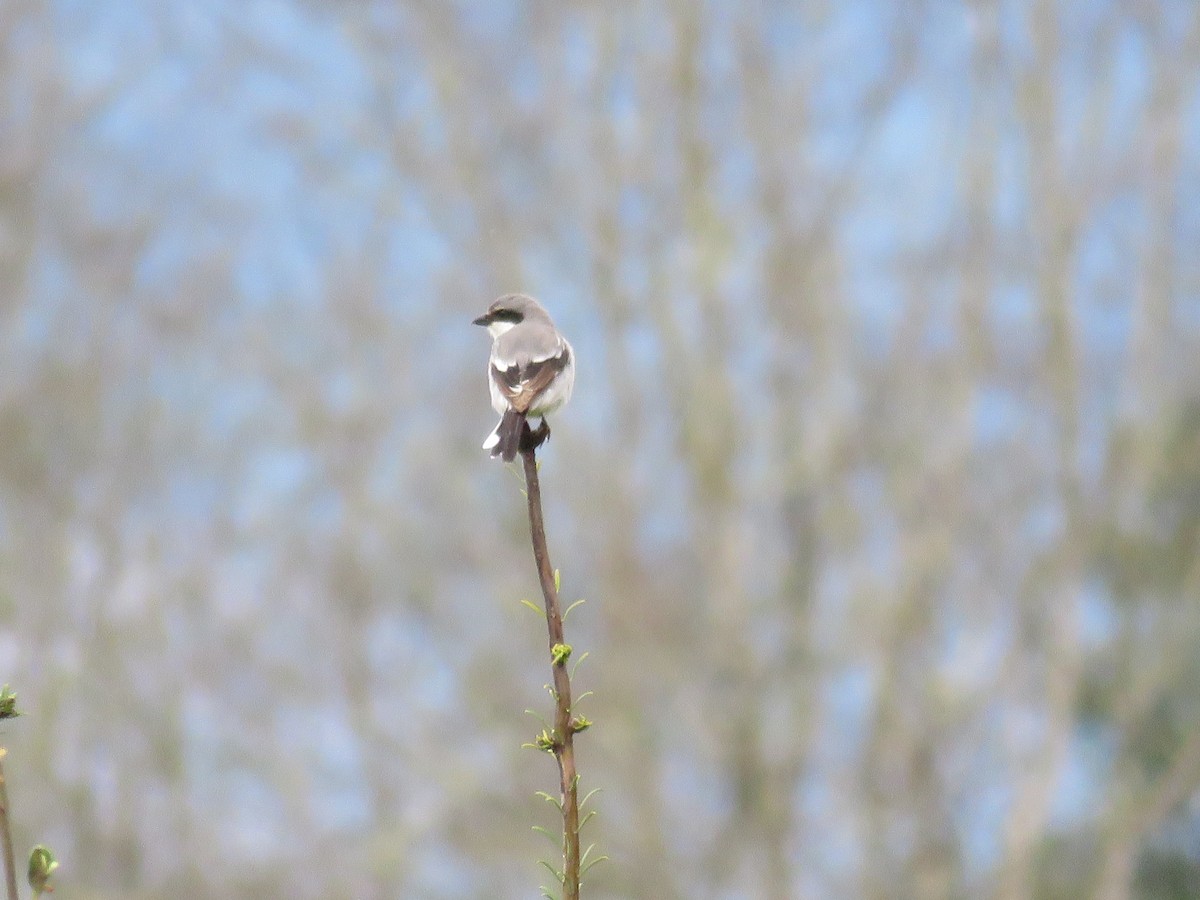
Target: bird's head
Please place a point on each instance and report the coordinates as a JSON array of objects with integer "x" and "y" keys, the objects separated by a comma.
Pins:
[{"x": 507, "y": 311}]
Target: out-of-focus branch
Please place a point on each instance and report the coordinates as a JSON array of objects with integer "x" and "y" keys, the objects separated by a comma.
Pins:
[
  {"x": 10, "y": 866},
  {"x": 41, "y": 861},
  {"x": 1133, "y": 823}
]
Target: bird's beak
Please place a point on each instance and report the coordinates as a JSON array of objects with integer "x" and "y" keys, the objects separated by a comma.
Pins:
[{"x": 482, "y": 320}]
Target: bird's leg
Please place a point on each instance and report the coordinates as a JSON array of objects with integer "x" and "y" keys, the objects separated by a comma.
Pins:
[{"x": 532, "y": 438}]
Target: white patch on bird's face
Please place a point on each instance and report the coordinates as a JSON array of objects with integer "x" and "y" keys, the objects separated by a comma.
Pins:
[{"x": 499, "y": 327}]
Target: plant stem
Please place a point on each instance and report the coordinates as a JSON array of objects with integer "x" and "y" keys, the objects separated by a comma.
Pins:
[
  {"x": 564, "y": 738},
  {"x": 10, "y": 867}
]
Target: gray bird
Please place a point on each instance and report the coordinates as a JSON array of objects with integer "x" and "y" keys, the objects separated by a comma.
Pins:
[{"x": 531, "y": 370}]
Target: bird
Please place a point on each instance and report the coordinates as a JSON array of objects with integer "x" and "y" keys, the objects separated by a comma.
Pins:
[{"x": 531, "y": 370}]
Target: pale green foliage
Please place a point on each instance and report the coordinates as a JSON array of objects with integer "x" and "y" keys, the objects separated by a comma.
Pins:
[
  {"x": 41, "y": 866},
  {"x": 560, "y": 653},
  {"x": 8, "y": 704}
]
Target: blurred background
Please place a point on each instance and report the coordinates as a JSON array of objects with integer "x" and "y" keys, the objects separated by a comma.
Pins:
[{"x": 881, "y": 479}]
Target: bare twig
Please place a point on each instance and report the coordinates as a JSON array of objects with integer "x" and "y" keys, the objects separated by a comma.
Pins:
[
  {"x": 10, "y": 866},
  {"x": 562, "y": 740}
]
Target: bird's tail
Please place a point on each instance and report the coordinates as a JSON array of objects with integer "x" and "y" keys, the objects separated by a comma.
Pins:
[{"x": 505, "y": 439}]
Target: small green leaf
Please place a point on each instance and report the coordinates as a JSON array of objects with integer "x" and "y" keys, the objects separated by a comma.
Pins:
[
  {"x": 545, "y": 741},
  {"x": 531, "y": 605},
  {"x": 41, "y": 866},
  {"x": 560, "y": 653},
  {"x": 538, "y": 716},
  {"x": 553, "y": 871},
  {"x": 580, "y": 723},
  {"x": 553, "y": 801},
  {"x": 557, "y": 580},
  {"x": 581, "y": 698},
  {"x": 575, "y": 667},
  {"x": 8, "y": 704},
  {"x": 588, "y": 796},
  {"x": 599, "y": 859},
  {"x": 567, "y": 611},
  {"x": 553, "y": 839},
  {"x": 584, "y": 821}
]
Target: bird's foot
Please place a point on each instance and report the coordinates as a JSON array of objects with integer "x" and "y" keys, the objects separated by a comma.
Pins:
[{"x": 532, "y": 438}]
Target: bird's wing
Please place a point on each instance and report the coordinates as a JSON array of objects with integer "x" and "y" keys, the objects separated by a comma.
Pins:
[{"x": 521, "y": 383}]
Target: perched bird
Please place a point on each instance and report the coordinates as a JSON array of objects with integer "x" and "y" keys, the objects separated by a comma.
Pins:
[{"x": 531, "y": 369}]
